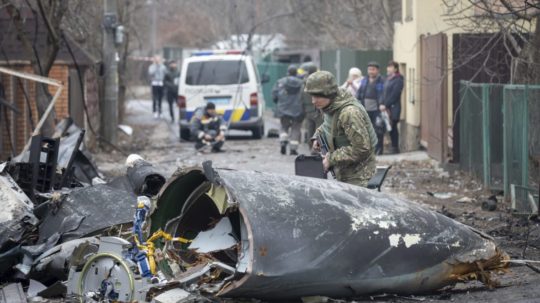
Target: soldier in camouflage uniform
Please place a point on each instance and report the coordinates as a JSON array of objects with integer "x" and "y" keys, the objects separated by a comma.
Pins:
[
  {"x": 348, "y": 131},
  {"x": 313, "y": 117}
]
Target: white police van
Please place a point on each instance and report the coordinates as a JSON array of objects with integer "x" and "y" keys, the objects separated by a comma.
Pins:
[{"x": 230, "y": 80}]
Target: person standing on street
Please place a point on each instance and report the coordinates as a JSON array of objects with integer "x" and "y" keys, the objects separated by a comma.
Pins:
[
  {"x": 353, "y": 81},
  {"x": 157, "y": 72},
  {"x": 208, "y": 128},
  {"x": 346, "y": 129},
  {"x": 369, "y": 95},
  {"x": 313, "y": 117},
  {"x": 391, "y": 101},
  {"x": 287, "y": 94},
  {"x": 171, "y": 85}
]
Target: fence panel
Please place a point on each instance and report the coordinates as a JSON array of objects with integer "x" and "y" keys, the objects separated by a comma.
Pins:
[
  {"x": 493, "y": 135},
  {"x": 275, "y": 71},
  {"x": 515, "y": 136},
  {"x": 471, "y": 128}
]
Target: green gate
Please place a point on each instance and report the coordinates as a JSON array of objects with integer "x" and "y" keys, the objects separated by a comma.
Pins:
[{"x": 275, "y": 71}]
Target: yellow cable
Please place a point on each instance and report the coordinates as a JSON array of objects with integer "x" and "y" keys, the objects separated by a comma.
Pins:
[{"x": 150, "y": 248}]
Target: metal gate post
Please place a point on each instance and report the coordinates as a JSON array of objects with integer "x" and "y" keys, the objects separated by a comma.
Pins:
[
  {"x": 506, "y": 186},
  {"x": 525, "y": 141},
  {"x": 486, "y": 134}
]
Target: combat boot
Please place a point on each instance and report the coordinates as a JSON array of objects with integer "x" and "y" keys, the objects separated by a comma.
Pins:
[{"x": 283, "y": 148}]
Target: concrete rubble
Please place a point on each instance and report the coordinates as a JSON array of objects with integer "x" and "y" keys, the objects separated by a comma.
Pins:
[{"x": 207, "y": 234}]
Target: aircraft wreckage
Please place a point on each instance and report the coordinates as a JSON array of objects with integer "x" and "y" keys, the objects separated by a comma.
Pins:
[{"x": 258, "y": 235}]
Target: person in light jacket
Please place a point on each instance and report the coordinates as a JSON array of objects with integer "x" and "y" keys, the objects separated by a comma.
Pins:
[{"x": 156, "y": 73}]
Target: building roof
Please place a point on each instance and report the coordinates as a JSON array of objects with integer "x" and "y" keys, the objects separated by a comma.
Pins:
[{"x": 12, "y": 49}]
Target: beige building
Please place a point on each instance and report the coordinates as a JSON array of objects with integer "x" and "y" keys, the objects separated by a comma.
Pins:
[{"x": 423, "y": 45}]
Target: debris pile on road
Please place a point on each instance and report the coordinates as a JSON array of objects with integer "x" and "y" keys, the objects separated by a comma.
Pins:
[
  {"x": 55, "y": 203},
  {"x": 207, "y": 234}
]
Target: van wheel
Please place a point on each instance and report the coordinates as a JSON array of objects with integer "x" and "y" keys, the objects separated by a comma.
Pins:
[
  {"x": 258, "y": 133},
  {"x": 185, "y": 134}
]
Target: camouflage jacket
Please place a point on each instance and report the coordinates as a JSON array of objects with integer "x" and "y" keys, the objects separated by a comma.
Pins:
[{"x": 351, "y": 139}]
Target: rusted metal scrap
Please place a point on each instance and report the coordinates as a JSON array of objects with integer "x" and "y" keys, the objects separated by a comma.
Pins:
[{"x": 291, "y": 237}]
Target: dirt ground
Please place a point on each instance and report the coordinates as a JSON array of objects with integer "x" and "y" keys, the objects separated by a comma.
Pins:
[{"x": 413, "y": 176}]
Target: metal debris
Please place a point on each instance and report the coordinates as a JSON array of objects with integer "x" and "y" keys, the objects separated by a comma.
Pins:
[
  {"x": 237, "y": 234},
  {"x": 107, "y": 275},
  {"x": 53, "y": 265},
  {"x": 175, "y": 295},
  {"x": 16, "y": 214},
  {"x": 12, "y": 293},
  {"x": 299, "y": 237},
  {"x": 141, "y": 178},
  {"x": 34, "y": 288},
  {"x": 91, "y": 210}
]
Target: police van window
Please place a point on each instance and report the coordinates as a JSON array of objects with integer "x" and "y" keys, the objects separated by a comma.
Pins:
[{"x": 216, "y": 73}]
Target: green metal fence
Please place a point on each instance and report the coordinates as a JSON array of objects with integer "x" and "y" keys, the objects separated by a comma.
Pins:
[
  {"x": 494, "y": 132},
  {"x": 275, "y": 71}
]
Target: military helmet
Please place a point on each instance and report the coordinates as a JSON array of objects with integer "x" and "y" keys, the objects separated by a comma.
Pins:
[
  {"x": 292, "y": 70},
  {"x": 308, "y": 67},
  {"x": 321, "y": 83}
]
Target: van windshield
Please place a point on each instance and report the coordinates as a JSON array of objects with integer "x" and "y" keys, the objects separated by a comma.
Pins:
[{"x": 216, "y": 73}]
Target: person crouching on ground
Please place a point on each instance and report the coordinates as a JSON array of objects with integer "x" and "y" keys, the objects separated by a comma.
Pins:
[
  {"x": 346, "y": 128},
  {"x": 208, "y": 128}
]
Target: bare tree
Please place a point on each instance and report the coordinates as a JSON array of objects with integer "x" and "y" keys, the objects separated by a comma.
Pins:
[
  {"x": 50, "y": 14},
  {"x": 514, "y": 21},
  {"x": 362, "y": 24}
]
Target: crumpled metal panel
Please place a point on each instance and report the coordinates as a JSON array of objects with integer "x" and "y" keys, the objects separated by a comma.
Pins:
[
  {"x": 87, "y": 210},
  {"x": 16, "y": 214},
  {"x": 307, "y": 236}
]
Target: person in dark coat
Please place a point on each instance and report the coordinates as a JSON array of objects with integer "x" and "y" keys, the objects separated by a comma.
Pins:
[
  {"x": 369, "y": 94},
  {"x": 391, "y": 100},
  {"x": 171, "y": 85},
  {"x": 287, "y": 94},
  {"x": 208, "y": 128}
]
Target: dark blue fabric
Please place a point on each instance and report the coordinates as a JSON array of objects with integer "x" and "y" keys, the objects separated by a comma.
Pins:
[
  {"x": 361, "y": 93},
  {"x": 391, "y": 97}
]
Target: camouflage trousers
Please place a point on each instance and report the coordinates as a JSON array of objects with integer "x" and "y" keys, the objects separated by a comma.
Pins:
[{"x": 359, "y": 174}]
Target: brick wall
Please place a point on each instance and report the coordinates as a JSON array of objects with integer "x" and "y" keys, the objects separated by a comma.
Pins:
[
  {"x": 17, "y": 128},
  {"x": 61, "y": 73}
]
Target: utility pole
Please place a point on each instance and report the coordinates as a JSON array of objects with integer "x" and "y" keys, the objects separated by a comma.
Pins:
[
  {"x": 153, "y": 27},
  {"x": 109, "y": 102}
]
